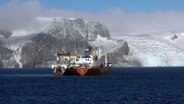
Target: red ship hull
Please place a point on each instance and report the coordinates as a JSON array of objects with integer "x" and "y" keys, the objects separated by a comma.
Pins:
[
  {"x": 93, "y": 71},
  {"x": 68, "y": 72},
  {"x": 83, "y": 71}
]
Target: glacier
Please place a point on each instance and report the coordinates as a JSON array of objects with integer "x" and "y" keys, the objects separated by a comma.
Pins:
[{"x": 157, "y": 50}]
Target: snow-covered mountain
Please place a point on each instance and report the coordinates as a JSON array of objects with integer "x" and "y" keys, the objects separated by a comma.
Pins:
[
  {"x": 163, "y": 49},
  {"x": 59, "y": 34},
  {"x": 73, "y": 28},
  {"x": 75, "y": 34}
]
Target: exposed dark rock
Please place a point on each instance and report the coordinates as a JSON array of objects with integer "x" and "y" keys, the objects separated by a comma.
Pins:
[
  {"x": 43, "y": 48},
  {"x": 174, "y": 37},
  {"x": 5, "y": 54},
  {"x": 1, "y": 64},
  {"x": 11, "y": 63},
  {"x": 121, "y": 57},
  {"x": 31, "y": 55},
  {"x": 5, "y": 33},
  {"x": 124, "y": 50},
  {"x": 94, "y": 29},
  {"x": 16, "y": 65}
]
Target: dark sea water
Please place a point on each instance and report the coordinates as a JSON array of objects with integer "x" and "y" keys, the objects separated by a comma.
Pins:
[{"x": 122, "y": 86}]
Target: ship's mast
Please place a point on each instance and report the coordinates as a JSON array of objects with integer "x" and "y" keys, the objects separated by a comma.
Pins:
[
  {"x": 106, "y": 61},
  {"x": 69, "y": 59},
  {"x": 100, "y": 51}
]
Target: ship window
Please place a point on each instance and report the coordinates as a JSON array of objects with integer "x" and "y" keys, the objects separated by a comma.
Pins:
[
  {"x": 87, "y": 59},
  {"x": 66, "y": 59},
  {"x": 86, "y": 54}
]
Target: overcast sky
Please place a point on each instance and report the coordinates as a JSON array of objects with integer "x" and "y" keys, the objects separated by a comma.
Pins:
[{"x": 119, "y": 16}]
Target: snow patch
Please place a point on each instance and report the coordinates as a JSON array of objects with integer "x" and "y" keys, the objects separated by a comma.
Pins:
[
  {"x": 52, "y": 19},
  {"x": 14, "y": 42},
  {"x": 108, "y": 44},
  {"x": 17, "y": 56},
  {"x": 21, "y": 32}
]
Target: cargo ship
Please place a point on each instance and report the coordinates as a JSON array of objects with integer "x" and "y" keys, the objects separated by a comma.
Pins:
[
  {"x": 86, "y": 64},
  {"x": 90, "y": 64}
]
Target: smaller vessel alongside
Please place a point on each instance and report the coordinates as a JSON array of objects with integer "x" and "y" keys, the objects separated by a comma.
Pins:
[
  {"x": 65, "y": 65},
  {"x": 86, "y": 64}
]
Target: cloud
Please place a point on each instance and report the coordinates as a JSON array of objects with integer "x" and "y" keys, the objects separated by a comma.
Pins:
[
  {"x": 137, "y": 23},
  {"x": 16, "y": 15},
  {"x": 21, "y": 15}
]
